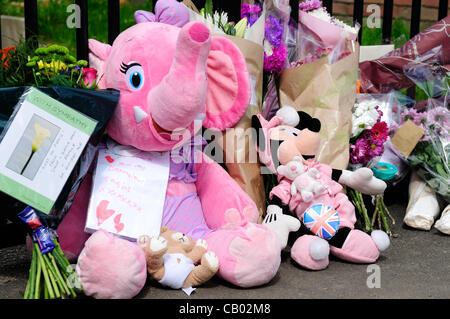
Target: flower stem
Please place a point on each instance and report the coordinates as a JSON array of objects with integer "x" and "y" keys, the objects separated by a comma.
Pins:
[
  {"x": 38, "y": 273},
  {"x": 51, "y": 275},
  {"x": 46, "y": 276}
]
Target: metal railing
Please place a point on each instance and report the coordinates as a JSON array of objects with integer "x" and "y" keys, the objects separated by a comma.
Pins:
[{"x": 233, "y": 9}]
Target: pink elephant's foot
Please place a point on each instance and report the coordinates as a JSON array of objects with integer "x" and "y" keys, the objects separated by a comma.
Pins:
[
  {"x": 311, "y": 252},
  {"x": 249, "y": 255},
  {"x": 111, "y": 268}
]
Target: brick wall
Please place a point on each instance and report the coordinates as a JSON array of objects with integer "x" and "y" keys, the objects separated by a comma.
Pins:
[{"x": 402, "y": 8}]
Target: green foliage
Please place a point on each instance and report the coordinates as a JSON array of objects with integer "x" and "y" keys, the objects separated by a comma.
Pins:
[
  {"x": 209, "y": 7},
  {"x": 428, "y": 159},
  {"x": 15, "y": 72},
  {"x": 52, "y": 17},
  {"x": 374, "y": 36}
]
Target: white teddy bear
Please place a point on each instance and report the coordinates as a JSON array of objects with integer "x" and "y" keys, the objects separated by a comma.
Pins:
[{"x": 306, "y": 183}]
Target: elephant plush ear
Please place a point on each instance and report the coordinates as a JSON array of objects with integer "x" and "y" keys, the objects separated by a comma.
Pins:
[
  {"x": 228, "y": 85},
  {"x": 98, "y": 54}
]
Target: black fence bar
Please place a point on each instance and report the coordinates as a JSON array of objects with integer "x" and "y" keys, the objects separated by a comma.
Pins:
[
  {"x": 443, "y": 9},
  {"x": 294, "y": 9},
  {"x": 415, "y": 18},
  {"x": 31, "y": 20},
  {"x": 388, "y": 8},
  {"x": 328, "y": 4},
  {"x": 414, "y": 29},
  {"x": 113, "y": 20},
  {"x": 82, "y": 32},
  {"x": 358, "y": 8},
  {"x": 1, "y": 47}
]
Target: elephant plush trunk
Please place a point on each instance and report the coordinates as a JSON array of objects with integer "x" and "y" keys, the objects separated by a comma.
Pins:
[{"x": 181, "y": 95}]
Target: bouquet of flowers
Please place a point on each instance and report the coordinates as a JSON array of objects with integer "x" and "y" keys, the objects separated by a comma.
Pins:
[
  {"x": 431, "y": 156},
  {"x": 51, "y": 276},
  {"x": 369, "y": 134},
  {"x": 317, "y": 27},
  {"x": 53, "y": 65},
  {"x": 46, "y": 66},
  {"x": 218, "y": 20},
  {"x": 279, "y": 38}
]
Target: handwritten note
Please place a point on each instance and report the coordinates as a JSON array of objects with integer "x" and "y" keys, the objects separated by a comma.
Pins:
[
  {"x": 128, "y": 193},
  {"x": 40, "y": 148}
]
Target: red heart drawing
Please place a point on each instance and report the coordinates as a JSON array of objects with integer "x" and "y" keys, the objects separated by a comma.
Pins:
[
  {"x": 117, "y": 224},
  {"x": 103, "y": 213},
  {"x": 109, "y": 159}
]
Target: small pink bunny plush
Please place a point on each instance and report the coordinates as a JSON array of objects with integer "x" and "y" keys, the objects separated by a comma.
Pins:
[{"x": 306, "y": 182}]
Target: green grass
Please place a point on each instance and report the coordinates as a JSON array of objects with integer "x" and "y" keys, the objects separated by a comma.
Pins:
[{"x": 52, "y": 16}]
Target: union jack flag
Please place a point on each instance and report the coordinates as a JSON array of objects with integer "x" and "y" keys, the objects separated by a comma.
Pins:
[{"x": 322, "y": 220}]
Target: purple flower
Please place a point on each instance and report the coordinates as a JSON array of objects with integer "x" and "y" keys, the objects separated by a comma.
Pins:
[
  {"x": 438, "y": 119},
  {"x": 309, "y": 5},
  {"x": 439, "y": 115},
  {"x": 275, "y": 62},
  {"x": 273, "y": 30},
  {"x": 251, "y": 12},
  {"x": 380, "y": 112},
  {"x": 376, "y": 148}
]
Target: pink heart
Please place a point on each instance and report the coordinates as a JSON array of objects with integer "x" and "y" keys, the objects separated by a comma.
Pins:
[
  {"x": 103, "y": 213},
  {"x": 117, "y": 224},
  {"x": 109, "y": 159}
]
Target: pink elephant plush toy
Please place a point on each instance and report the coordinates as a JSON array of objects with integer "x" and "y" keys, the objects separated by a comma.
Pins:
[
  {"x": 171, "y": 76},
  {"x": 287, "y": 145}
]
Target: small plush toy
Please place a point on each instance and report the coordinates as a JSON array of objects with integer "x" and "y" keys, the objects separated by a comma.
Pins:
[
  {"x": 329, "y": 216},
  {"x": 172, "y": 260},
  {"x": 304, "y": 182}
]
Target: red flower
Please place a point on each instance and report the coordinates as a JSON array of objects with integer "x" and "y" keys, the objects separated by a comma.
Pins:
[
  {"x": 4, "y": 55},
  {"x": 380, "y": 131},
  {"x": 89, "y": 76}
]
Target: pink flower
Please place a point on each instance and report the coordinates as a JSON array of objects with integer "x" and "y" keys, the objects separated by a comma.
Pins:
[
  {"x": 309, "y": 5},
  {"x": 275, "y": 62},
  {"x": 359, "y": 153},
  {"x": 89, "y": 76},
  {"x": 376, "y": 148}
]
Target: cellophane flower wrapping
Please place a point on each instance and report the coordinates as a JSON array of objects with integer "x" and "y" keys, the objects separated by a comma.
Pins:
[
  {"x": 320, "y": 34},
  {"x": 279, "y": 49},
  {"x": 431, "y": 156}
]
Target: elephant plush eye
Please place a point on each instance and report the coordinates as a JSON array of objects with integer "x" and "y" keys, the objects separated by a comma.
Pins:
[{"x": 134, "y": 75}]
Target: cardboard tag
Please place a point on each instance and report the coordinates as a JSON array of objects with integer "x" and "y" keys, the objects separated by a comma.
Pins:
[{"x": 407, "y": 137}]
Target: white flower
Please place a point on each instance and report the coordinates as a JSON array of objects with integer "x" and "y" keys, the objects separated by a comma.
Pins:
[
  {"x": 218, "y": 19},
  {"x": 364, "y": 116}
]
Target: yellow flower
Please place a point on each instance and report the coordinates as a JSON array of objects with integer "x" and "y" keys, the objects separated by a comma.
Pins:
[
  {"x": 53, "y": 65},
  {"x": 41, "y": 134}
]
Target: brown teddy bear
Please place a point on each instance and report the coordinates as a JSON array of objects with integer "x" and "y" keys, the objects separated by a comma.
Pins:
[{"x": 172, "y": 259}]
